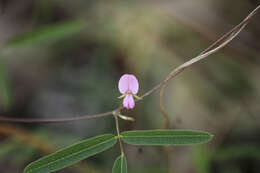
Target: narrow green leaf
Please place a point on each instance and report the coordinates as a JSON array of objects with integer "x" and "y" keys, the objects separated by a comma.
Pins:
[
  {"x": 165, "y": 137},
  {"x": 72, "y": 154},
  {"x": 45, "y": 34},
  {"x": 120, "y": 165}
]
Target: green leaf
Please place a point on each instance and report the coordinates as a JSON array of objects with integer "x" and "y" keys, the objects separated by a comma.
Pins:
[
  {"x": 45, "y": 34},
  {"x": 5, "y": 89},
  {"x": 165, "y": 137},
  {"x": 120, "y": 165},
  {"x": 72, "y": 154}
]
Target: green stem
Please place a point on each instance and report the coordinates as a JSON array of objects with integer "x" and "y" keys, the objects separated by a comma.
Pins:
[{"x": 118, "y": 132}]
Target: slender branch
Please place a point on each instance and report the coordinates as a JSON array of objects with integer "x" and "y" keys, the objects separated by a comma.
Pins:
[
  {"x": 217, "y": 45},
  {"x": 244, "y": 22}
]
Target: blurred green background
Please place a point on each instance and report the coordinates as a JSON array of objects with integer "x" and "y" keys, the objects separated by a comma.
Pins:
[{"x": 63, "y": 58}]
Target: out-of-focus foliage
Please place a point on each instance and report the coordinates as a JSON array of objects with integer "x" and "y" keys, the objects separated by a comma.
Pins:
[
  {"x": 45, "y": 35},
  {"x": 64, "y": 58}
]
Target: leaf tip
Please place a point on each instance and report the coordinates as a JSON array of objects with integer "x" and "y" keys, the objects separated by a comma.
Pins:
[{"x": 211, "y": 136}]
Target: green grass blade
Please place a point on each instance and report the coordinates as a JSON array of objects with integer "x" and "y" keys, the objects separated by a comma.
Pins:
[
  {"x": 45, "y": 34},
  {"x": 72, "y": 154},
  {"x": 165, "y": 137},
  {"x": 120, "y": 165}
]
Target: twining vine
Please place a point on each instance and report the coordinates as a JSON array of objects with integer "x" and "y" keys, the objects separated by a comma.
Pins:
[{"x": 128, "y": 86}]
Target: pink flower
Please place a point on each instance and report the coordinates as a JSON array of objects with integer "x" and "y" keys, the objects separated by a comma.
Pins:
[{"x": 128, "y": 86}]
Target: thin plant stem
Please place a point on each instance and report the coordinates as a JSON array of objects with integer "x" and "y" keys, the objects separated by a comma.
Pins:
[
  {"x": 53, "y": 120},
  {"x": 163, "y": 111},
  {"x": 243, "y": 24},
  {"x": 167, "y": 150},
  {"x": 118, "y": 131}
]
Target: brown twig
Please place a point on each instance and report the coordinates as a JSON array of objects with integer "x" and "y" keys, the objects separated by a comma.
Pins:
[
  {"x": 244, "y": 22},
  {"x": 217, "y": 45},
  {"x": 163, "y": 111}
]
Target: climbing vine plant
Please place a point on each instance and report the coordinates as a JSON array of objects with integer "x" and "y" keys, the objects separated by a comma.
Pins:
[{"x": 128, "y": 86}]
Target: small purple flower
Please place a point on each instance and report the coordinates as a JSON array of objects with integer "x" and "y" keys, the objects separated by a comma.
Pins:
[{"x": 128, "y": 86}]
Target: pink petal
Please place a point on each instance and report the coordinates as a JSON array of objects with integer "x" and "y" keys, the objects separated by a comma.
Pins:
[
  {"x": 133, "y": 85},
  {"x": 123, "y": 84},
  {"x": 128, "y": 82},
  {"x": 129, "y": 102}
]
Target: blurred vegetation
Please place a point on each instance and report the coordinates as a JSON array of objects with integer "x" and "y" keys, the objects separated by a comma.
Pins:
[{"x": 64, "y": 59}]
